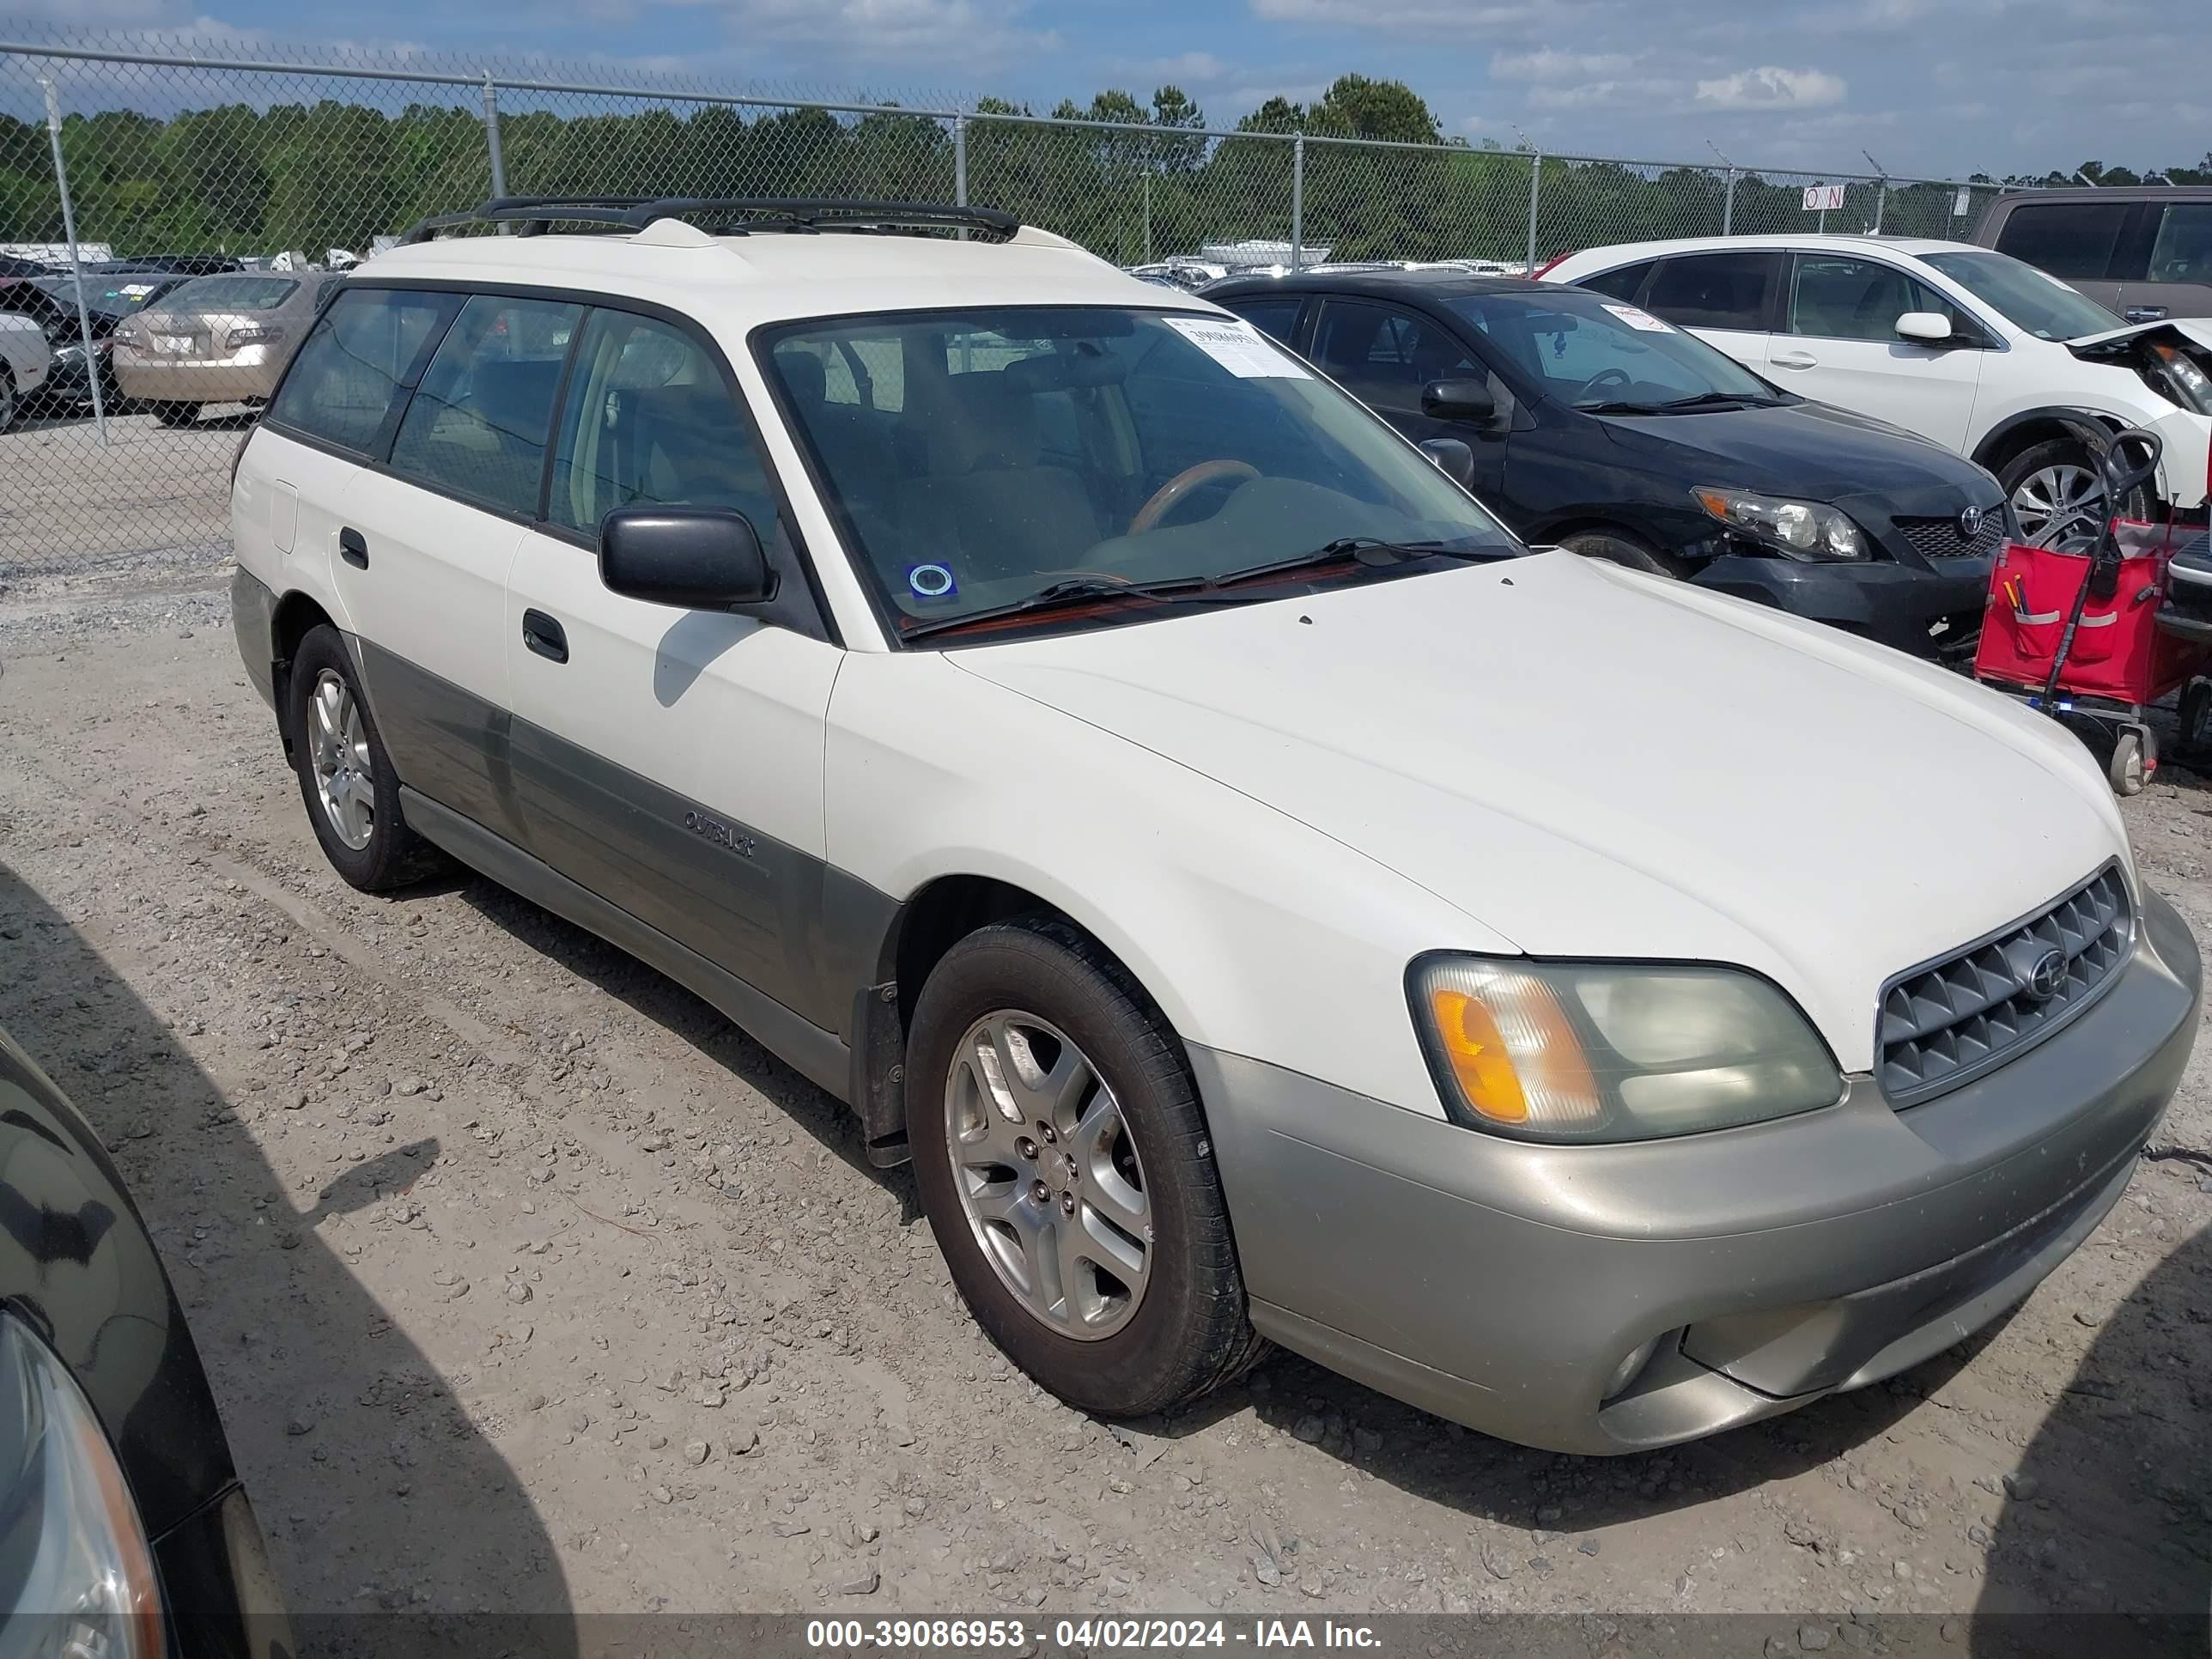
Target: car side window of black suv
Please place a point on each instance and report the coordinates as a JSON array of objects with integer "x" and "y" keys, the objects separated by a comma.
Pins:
[{"x": 1383, "y": 355}]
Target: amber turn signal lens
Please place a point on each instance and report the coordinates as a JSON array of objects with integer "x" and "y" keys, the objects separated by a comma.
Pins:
[
  {"x": 1476, "y": 1051},
  {"x": 1513, "y": 1051}
]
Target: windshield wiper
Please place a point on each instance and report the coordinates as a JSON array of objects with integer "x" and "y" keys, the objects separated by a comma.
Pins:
[
  {"x": 1683, "y": 405},
  {"x": 1368, "y": 549},
  {"x": 1063, "y": 595}
]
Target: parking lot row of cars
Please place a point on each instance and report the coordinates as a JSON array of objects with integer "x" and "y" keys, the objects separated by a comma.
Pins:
[{"x": 168, "y": 334}]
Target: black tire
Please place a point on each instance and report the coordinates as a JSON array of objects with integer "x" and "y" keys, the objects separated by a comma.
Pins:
[
  {"x": 1188, "y": 1333},
  {"x": 2062, "y": 453},
  {"x": 176, "y": 414},
  {"x": 395, "y": 855},
  {"x": 1619, "y": 547},
  {"x": 11, "y": 406}
]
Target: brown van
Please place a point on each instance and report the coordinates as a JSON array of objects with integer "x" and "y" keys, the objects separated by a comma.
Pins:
[{"x": 2143, "y": 250}]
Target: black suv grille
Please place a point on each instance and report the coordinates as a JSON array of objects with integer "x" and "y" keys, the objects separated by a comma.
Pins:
[
  {"x": 1951, "y": 1020},
  {"x": 1939, "y": 539}
]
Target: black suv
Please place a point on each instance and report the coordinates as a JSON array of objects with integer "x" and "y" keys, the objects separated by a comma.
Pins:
[{"x": 1590, "y": 423}]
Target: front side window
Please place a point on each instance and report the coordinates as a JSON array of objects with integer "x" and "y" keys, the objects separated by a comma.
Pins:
[
  {"x": 2030, "y": 301},
  {"x": 1715, "y": 291},
  {"x": 2067, "y": 239},
  {"x": 1383, "y": 355},
  {"x": 477, "y": 426},
  {"x": 1033, "y": 447},
  {"x": 1273, "y": 314},
  {"x": 1595, "y": 354},
  {"x": 649, "y": 419},
  {"x": 358, "y": 362},
  {"x": 2183, "y": 252},
  {"x": 1836, "y": 297}
]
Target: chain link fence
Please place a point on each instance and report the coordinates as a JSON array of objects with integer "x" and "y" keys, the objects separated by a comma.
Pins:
[{"x": 151, "y": 163}]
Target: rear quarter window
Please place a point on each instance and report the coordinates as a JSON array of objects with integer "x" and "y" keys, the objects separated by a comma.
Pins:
[
  {"x": 1620, "y": 284},
  {"x": 358, "y": 363}
]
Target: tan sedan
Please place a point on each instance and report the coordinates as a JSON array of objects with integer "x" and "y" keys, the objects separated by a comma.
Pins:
[{"x": 216, "y": 340}]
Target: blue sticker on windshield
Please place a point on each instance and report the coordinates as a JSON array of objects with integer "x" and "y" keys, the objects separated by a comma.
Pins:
[{"x": 931, "y": 581}]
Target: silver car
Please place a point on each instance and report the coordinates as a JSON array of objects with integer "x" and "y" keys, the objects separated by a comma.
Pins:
[{"x": 216, "y": 340}]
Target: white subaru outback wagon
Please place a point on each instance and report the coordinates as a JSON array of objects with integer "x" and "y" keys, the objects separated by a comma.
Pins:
[{"x": 1263, "y": 900}]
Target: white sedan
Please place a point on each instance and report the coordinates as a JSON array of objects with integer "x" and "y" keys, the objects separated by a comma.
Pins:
[{"x": 25, "y": 360}]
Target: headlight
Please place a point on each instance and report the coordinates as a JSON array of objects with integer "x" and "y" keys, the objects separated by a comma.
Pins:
[
  {"x": 2179, "y": 378},
  {"x": 1803, "y": 530},
  {"x": 1606, "y": 1051},
  {"x": 254, "y": 334},
  {"x": 76, "y": 1572}
]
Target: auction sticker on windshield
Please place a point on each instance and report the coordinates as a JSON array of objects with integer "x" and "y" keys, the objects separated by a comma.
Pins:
[
  {"x": 1237, "y": 347},
  {"x": 1642, "y": 320}
]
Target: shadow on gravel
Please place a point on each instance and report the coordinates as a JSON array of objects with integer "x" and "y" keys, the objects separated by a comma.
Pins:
[
  {"x": 381, "y": 1501},
  {"x": 687, "y": 1017},
  {"x": 2110, "y": 1511}
]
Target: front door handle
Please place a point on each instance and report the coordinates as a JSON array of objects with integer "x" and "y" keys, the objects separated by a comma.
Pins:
[
  {"x": 2145, "y": 313},
  {"x": 1793, "y": 360},
  {"x": 545, "y": 637},
  {"x": 353, "y": 548}
]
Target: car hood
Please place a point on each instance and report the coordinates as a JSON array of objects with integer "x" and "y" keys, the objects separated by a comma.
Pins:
[
  {"x": 1804, "y": 449},
  {"x": 2197, "y": 329},
  {"x": 1589, "y": 762}
]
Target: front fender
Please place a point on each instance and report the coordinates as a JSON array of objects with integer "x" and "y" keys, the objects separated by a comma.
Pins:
[{"x": 1254, "y": 934}]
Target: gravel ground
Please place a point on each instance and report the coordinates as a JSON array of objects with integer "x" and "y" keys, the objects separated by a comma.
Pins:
[{"x": 527, "y": 1283}]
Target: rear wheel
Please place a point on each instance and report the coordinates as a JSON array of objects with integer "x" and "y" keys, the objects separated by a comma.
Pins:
[
  {"x": 176, "y": 414},
  {"x": 1067, "y": 1170},
  {"x": 2057, "y": 480},
  {"x": 1619, "y": 547},
  {"x": 351, "y": 791},
  {"x": 10, "y": 405}
]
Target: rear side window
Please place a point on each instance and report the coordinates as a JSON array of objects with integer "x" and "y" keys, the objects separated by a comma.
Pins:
[
  {"x": 478, "y": 425},
  {"x": 2067, "y": 239},
  {"x": 1715, "y": 291},
  {"x": 1275, "y": 314},
  {"x": 357, "y": 363},
  {"x": 649, "y": 419},
  {"x": 1619, "y": 284},
  {"x": 2183, "y": 252}
]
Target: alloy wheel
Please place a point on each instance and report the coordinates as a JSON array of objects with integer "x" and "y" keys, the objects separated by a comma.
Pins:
[
  {"x": 1048, "y": 1174},
  {"x": 2055, "y": 492},
  {"x": 338, "y": 747}
]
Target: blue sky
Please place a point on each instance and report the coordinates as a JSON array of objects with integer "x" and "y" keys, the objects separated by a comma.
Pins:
[{"x": 1940, "y": 87}]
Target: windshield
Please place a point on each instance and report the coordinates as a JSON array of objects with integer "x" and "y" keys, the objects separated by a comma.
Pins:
[
  {"x": 979, "y": 459},
  {"x": 232, "y": 294},
  {"x": 1593, "y": 353},
  {"x": 2028, "y": 299}
]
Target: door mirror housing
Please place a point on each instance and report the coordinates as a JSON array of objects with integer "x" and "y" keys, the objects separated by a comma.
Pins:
[
  {"x": 699, "y": 558},
  {"x": 1459, "y": 400},
  {"x": 1925, "y": 328},
  {"x": 1453, "y": 458}
]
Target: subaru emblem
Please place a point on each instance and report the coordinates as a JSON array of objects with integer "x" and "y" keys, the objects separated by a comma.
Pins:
[
  {"x": 1970, "y": 523},
  {"x": 2045, "y": 977}
]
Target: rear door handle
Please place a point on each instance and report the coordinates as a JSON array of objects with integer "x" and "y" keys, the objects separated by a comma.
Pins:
[
  {"x": 545, "y": 637},
  {"x": 353, "y": 548},
  {"x": 1793, "y": 360},
  {"x": 2145, "y": 313}
]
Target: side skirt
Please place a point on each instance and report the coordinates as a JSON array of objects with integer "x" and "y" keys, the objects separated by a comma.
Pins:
[{"x": 820, "y": 1056}]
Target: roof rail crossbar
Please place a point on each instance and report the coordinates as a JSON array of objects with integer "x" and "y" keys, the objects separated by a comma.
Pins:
[{"x": 534, "y": 214}]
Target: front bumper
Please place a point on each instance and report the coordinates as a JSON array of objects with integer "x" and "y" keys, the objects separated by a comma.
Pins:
[
  {"x": 223, "y": 1602},
  {"x": 1926, "y": 612},
  {"x": 1500, "y": 1283}
]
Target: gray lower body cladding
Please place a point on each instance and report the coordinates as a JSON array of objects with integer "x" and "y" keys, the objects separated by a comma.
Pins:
[{"x": 1502, "y": 1283}]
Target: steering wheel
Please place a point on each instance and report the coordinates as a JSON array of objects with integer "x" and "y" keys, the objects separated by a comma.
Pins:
[
  {"x": 1604, "y": 377},
  {"x": 1163, "y": 498}
]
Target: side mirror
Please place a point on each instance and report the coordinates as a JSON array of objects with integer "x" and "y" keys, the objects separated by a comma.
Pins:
[
  {"x": 1458, "y": 400},
  {"x": 1924, "y": 328},
  {"x": 701, "y": 558},
  {"x": 1453, "y": 458}
]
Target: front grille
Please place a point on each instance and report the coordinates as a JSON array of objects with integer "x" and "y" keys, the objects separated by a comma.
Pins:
[
  {"x": 1939, "y": 539},
  {"x": 1951, "y": 1020}
]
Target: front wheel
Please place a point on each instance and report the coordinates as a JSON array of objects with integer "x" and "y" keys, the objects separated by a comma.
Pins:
[
  {"x": 2055, "y": 485},
  {"x": 176, "y": 414},
  {"x": 1064, "y": 1162}
]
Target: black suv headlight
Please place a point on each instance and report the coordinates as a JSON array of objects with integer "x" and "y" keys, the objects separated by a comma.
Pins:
[{"x": 76, "y": 1572}]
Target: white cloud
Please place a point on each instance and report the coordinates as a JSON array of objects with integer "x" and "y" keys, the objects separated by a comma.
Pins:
[
  {"x": 1400, "y": 16},
  {"x": 1770, "y": 87},
  {"x": 974, "y": 33},
  {"x": 1546, "y": 64},
  {"x": 1198, "y": 69},
  {"x": 1600, "y": 94}
]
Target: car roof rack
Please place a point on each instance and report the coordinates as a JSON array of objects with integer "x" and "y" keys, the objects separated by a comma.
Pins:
[{"x": 534, "y": 215}]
